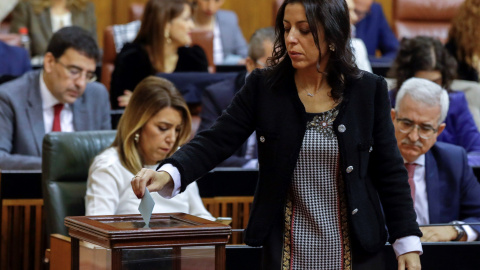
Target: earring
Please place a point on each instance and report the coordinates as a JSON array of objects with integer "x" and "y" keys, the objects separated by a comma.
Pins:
[
  {"x": 137, "y": 137},
  {"x": 167, "y": 37},
  {"x": 331, "y": 47}
]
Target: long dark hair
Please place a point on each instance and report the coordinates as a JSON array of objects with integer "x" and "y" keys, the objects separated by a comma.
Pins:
[
  {"x": 422, "y": 53},
  {"x": 333, "y": 17},
  {"x": 152, "y": 30}
]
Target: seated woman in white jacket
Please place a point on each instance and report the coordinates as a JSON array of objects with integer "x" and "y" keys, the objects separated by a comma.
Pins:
[{"x": 154, "y": 124}]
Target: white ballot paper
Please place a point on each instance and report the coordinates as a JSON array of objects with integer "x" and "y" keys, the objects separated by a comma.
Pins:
[{"x": 146, "y": 207}]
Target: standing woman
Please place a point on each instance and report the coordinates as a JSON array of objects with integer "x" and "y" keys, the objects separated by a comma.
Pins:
[
  {"x": 42, "y": 18},
  {"x": 158, "y": 47},
  {"x": 326, "y": 147}
]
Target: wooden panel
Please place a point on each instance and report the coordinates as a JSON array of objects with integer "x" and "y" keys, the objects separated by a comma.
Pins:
[
  {"x": 104, "y": 12},
  {"x": 252, "y": 14},
  {"x": 387, "y": 6},
  {"x": 21, "y": 225},
  {"x": 238, "y": 208}
]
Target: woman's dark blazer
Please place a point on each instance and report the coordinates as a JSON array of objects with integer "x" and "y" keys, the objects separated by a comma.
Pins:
[{"x": 370, "y": 162}]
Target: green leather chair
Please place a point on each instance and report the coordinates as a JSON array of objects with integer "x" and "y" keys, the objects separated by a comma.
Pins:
[{"x": 66, "y": 159}]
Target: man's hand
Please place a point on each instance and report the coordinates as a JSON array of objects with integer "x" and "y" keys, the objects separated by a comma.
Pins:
[
  {"x": 123, "y": 100},
  {"x": 410, "y": 261},
  {"x": 151, "y": 179},
  {"x": 439, "y": 234}
]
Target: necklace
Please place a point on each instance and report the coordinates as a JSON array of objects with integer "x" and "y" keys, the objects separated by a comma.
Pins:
[{"x": 310, "y": 94}]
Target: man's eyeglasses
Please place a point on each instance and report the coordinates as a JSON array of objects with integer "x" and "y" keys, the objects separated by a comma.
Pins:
[
  {"x": 425, "y": 131},
  {"x": 76, "y": 72}
]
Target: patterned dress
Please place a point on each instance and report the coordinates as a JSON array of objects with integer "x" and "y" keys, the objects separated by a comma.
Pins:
[{"x": 316, "y": 229}]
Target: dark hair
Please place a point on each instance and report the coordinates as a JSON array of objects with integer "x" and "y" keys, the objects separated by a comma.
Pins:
[
  {"x": 76, "y": 38},
  {"x": 422, "y": 53},
  {"x": 157, "y": 14},
  {"x": 333, "y": 16}
]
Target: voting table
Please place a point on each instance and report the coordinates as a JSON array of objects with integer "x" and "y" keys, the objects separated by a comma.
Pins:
[{"x": 125, "y": 234}]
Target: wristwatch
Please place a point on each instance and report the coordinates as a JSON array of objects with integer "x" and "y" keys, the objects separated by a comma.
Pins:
[{"x": 460, "y": 231}]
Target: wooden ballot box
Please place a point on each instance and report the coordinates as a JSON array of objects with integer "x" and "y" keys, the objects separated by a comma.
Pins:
[{"x": 127, "y": 233}]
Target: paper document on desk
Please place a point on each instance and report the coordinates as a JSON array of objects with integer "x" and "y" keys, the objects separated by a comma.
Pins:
[{"x": 146, "y": 207}]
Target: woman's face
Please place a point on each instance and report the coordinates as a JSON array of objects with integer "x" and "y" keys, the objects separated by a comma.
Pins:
[
  {"x": 299, "y": 40},
  {"x": 180, "y": 28},
  {"x": 159, "y": 134}
]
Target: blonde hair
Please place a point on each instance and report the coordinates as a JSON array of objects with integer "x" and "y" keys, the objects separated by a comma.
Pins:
[
  {"x": 464, "y": 31},
  {"x": 152, "y": 29},
  {"x": 41, "y": 5},
  {"x": 149, "y": 97}
]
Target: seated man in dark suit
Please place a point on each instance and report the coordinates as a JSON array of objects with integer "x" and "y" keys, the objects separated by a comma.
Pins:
[
  {"x": 443, "y": 186},
  {"x": 218, "y": 96},
  {"x": 61, "y": 97},
  {"x": 373, "y": 29},
  {"x": 14, "y": 61}
]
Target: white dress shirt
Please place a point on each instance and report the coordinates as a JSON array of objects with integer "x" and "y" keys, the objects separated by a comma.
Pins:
[
  {"x": 361, "y": 55},
  {"x": 48, "y": 101},
  {"x": 217, "y": 45},
  {"x": 421, "y": 198},
  {"x": 109, "y": 191},
  {"x": 60, "y": 21}
]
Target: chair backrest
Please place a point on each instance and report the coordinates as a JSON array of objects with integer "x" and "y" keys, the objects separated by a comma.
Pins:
[
  {"x": 66, "y": 159},
  {"x": 135, "y": 11},
  {"x": 109, "y": 56},
  {"x": 204, "y": 39},
  {"x": 427, "y": 17}
]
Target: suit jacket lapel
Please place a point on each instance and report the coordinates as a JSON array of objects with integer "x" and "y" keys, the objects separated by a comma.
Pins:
[
  {"x": 79, "y": 111},
  {"x": 433, "y": 190},
  {"x": 34, "y": 111}
]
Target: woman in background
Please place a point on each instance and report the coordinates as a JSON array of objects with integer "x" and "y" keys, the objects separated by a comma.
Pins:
[
  {"x": 154, "y": 125},
  {"x": 464, "y": 40},
  {"x": 425, "y": 57},
  {"x": 158, "y": 47},
  {"x": 42, "y": 18},
  {"x": 229, "y": 45}
]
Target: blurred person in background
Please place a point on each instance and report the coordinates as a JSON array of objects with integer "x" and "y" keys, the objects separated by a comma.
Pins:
[
  {"x": 359, "y": 49},
  {"x": 160, "y": 46},
  {"x": 464, "y": 40},
  {"x": 372, "y": 27},
  {"x": 229, "y": 45},
  {"x": 43, "y": 18},
  {"x": 14, "y": 61},
  {"x": 217, "y": 97}
]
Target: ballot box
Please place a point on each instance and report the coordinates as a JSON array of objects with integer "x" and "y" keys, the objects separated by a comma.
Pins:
[{"x": 170, "y": 241}]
